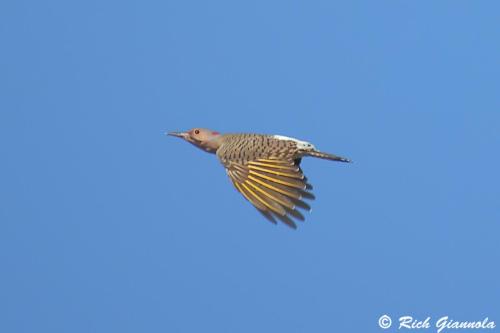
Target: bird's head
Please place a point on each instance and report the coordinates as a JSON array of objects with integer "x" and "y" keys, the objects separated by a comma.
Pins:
[{"x": 202, "y": 138}]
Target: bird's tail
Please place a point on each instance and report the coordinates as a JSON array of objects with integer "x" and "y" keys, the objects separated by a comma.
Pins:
[{"x": 326, "y": 156}]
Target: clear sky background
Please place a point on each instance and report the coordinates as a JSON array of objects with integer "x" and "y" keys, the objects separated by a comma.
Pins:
[{"x": 107, "y": 225}]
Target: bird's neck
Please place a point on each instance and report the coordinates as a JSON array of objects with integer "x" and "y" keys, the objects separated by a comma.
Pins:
[{"x": 212, "y": 145}]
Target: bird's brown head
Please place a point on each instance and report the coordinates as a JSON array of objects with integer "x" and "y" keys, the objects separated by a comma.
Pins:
[{"x": 202, "y": 138}]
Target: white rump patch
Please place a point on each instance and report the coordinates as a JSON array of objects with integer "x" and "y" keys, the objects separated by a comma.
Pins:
[{"x": 300, "y": 144}]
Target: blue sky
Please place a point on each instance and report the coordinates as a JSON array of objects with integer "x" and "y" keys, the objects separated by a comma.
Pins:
[{"x": 107, "y": 225}]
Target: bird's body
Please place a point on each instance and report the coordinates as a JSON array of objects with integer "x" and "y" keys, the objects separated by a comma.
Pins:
[
  {"x": 263, "y": 168},
  {"x": 247, "y": 147}
]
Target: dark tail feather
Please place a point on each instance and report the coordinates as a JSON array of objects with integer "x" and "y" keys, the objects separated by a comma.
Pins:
[{"x": 326, "y": 156}]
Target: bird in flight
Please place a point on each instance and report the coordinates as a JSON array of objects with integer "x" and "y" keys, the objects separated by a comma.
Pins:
[{"x": 265, "y": 169}]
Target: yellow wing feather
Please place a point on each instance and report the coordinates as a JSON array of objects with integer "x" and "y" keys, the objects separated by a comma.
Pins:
[{"x": 273, "y": 186}]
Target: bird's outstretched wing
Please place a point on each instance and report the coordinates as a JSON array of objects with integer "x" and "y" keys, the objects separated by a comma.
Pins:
[{"x": 276, "y": 187}]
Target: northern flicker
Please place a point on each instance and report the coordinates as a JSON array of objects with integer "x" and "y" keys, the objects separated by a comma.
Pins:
[{"x": 265, "y": 169}]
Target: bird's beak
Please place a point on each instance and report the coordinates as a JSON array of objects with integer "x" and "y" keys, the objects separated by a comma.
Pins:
[{"x": 182, "y": 135}]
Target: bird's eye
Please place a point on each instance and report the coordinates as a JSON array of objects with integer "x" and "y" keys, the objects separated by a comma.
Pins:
[{"x": 196, "y": 131}]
